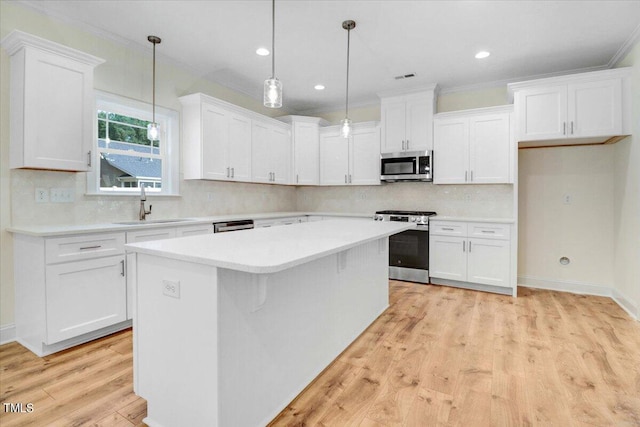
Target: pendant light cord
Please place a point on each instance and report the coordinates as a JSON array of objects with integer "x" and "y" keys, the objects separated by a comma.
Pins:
[
  {"x": 347, "y": 94},
  {"x": 273, "y": 39},
  {"x": 154, "y": 83}
]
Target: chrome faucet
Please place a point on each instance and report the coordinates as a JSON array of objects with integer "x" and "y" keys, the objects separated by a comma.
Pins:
[{"x": 143, "y": 198}]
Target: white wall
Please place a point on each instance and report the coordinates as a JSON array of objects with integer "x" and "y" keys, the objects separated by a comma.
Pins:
[
  {"x": 551, "y": 228},
  {"x": 626, "y": 218}
]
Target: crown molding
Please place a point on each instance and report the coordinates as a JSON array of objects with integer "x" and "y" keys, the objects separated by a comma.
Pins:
[{"x": 625, "y": 48}]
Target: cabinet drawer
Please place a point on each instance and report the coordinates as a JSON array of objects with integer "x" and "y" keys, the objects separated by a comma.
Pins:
[
  {"x": 489, "y": 230},
  {"x": 86, "y": 246},
  {"x": 194, "y": 230},
  {"x": 448, "y": 228},
  {"x": 149, "y": 235}
]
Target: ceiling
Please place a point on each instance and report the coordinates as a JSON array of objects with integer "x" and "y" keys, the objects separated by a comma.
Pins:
[{"x": 436, "y": 40}]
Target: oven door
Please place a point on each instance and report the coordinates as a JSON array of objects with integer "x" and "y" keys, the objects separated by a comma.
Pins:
[{"x": 409, "y": 255}]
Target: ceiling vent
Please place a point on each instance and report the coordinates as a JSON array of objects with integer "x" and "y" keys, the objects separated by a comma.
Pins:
[{"x": 406, "y": 76}]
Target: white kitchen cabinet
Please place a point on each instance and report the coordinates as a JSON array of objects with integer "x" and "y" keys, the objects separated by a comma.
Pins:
[
  {"x": 583, "y": 108},
  {"x": 151, "y": 234},
  {"x": 194, "y": 230},
  {"x": 352, "y": 161},
  {"x": 305, "y": 137},
  {"x": 52, "y": 104},
  {"x": 84, "y": 296},
  {"x": 274, "y": 222},
  {"x": 271, "y": 152},
  {"x": 474, "y": 147},
  {"x": 68, "y": 289},
  {"x": 216, "y": 139},
  {"x": 475, "y": 255},
  {"x": 407, "y": 121}
]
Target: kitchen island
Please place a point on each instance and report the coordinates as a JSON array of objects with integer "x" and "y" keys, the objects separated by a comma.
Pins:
[{"x": 230, "y": 327}]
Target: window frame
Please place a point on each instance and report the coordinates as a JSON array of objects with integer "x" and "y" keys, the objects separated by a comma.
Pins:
[{"x": 169, "y": 121}]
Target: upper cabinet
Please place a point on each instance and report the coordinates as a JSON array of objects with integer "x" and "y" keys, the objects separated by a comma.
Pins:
[
  {"x": 588, "y": 108},
  {"x": 350, "y": 161},
  {"x": 51, "y": 104},
  {"x": 305, "y": 148},
  {"x": 270, "y": 152},
  {"x": 474, "y": 146},
  {"x": 217, "y": 139},
  {"x": 407, "y": 121}
]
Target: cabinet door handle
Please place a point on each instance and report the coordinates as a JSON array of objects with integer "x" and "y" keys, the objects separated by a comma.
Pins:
[
  {"x": 564, "y": 128},
  {"x": 407, "y": 144},
  {"x": 297, "y": 179},
  {"x": 463, "y": 245},
  {"x": 571, "y": 127},
  {"x": 228, "y": 172},
  {"x": 273, "y": 174},
  {"x": 89, "y": 158},
  {"x": 90, "y": 247},
  {"x": 345, "y": 179},
  {"x": 465, "y": 176},
  {"x": 349, "y": 178},
  {"x": 469, "y": 246},
  {"x": 233, "y": 172},
  {"x": 122, "y": 268},
  {"x": 471, "y": 180},
  {"x": 488, "y": 231},
  {"x": 447, "y": 228},
  {"x": 403, "y": 144}
]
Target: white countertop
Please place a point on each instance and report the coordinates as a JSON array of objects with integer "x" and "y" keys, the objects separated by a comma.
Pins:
[
  {"x": 269, "y": 250},
  {"x": 60, "y": 230}
]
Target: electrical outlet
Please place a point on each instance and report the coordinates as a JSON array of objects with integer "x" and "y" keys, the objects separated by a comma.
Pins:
[
  {"x": 62, "y": 195},
  {"x": 171, "y": 288},
  {"x": 42, "y": 195}
]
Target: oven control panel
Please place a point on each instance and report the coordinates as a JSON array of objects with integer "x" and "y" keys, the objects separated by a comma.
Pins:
[{"x": 415, "y": 219}]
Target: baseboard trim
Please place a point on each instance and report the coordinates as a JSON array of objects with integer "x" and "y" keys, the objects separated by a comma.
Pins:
[
  {"x": 7, "y": 333},
  {"x": 575, "y": 287},
  {"x": 627, "y": 305}
]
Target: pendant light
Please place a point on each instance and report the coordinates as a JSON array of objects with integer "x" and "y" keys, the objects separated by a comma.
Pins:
[
  {"x": 153, "y": 132},
  {"x": 346, "y": 122},
  {"x": 273, "y": 86}
]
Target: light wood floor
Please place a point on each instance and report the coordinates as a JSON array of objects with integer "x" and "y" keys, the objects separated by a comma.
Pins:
[{"x": 437, "y": 356}]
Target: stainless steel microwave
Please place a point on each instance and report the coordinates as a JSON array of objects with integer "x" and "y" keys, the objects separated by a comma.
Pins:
[{"x": 406, "y": 166}]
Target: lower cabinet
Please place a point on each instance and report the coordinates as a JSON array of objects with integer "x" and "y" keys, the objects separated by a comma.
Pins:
[
  {"x": 68, "y": 290},
  {"x": 475, "y": 255},
  {"x": 84, "y": 296}
]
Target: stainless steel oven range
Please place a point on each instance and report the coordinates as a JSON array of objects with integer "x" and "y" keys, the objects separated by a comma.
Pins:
[{"x": 409, "y": 250}]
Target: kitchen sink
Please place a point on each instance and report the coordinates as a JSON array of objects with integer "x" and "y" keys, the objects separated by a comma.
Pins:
[{"x": 152, "y": 221}]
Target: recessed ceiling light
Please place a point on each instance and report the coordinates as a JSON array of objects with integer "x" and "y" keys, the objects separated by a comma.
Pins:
[
  {"x": 319, "y": 87},
  {"x": 482, "y": 54},
  {"x": 262, "y": 51}
]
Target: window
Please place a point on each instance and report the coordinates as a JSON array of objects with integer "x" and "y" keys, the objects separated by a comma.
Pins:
[{"x": 124, "y": 158}]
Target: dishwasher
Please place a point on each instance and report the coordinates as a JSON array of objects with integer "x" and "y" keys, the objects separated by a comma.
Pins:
[{"x": 226, "y": 226}]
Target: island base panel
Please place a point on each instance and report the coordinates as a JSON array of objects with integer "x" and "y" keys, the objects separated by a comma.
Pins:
[{"x": 242, "y": 345}]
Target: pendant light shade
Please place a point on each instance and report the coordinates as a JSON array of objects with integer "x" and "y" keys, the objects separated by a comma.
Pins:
[
  {"x": 345, "y": 128},
  {"x": 153, "y": 131},
  {"x": 273, "y": 86}
]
